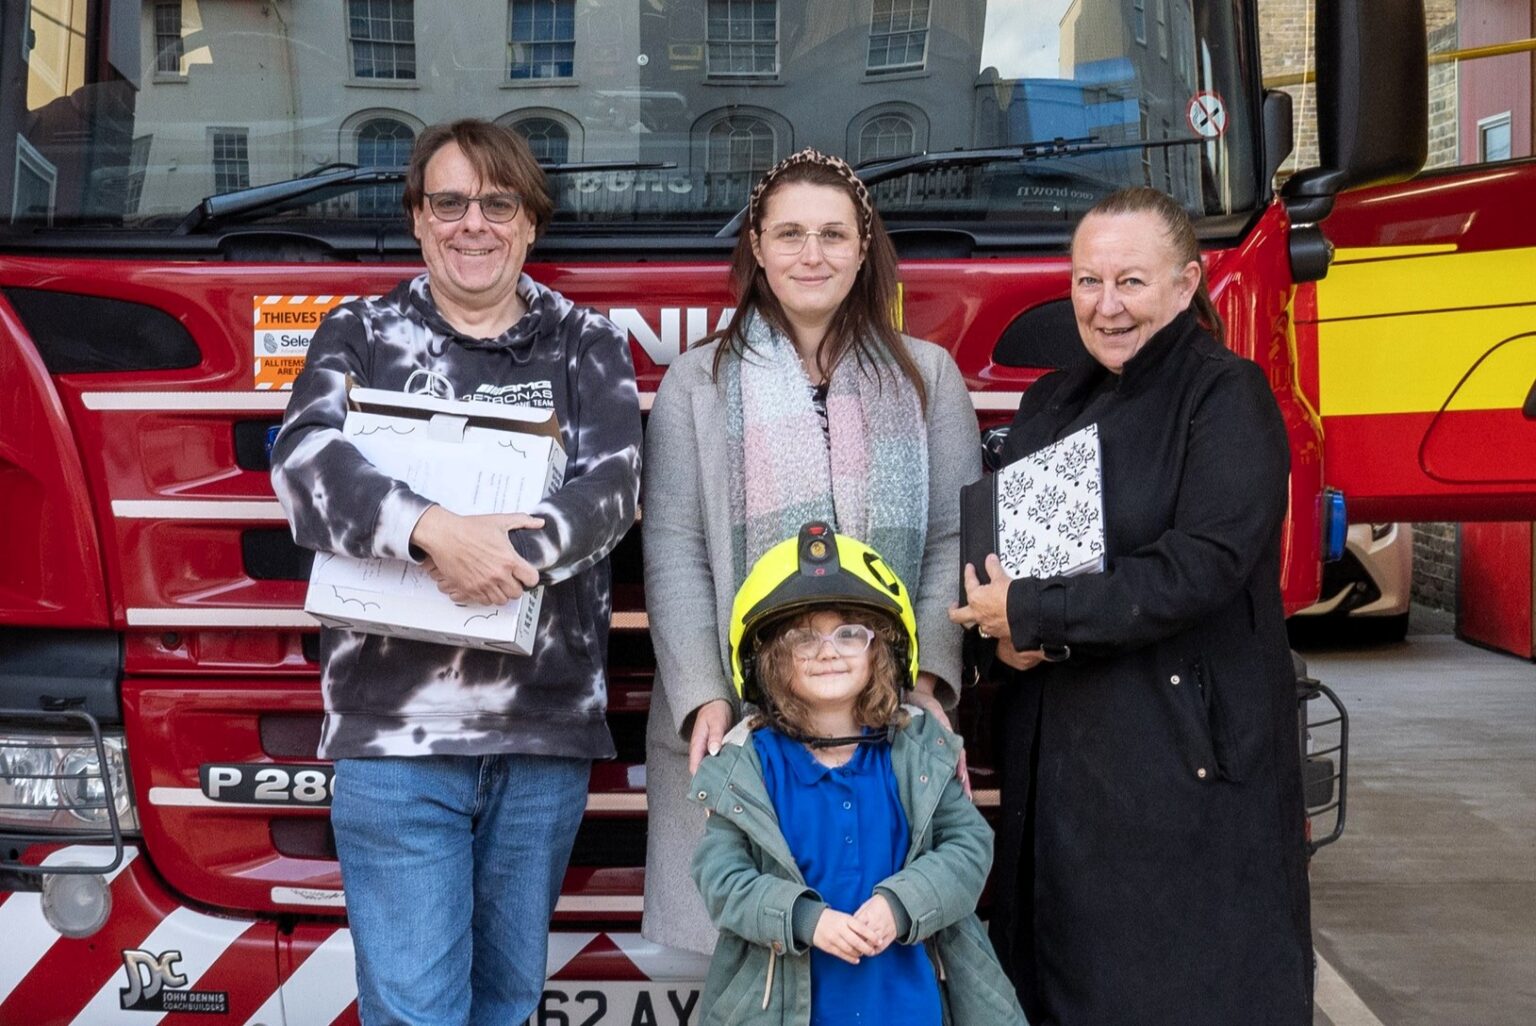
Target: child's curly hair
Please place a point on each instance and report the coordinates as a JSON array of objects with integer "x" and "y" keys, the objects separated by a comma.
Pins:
[{"x": 878, "y": 705}]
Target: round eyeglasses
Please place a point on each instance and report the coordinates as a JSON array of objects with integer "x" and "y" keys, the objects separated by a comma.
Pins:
[
  {"x": 499, "y": 207},
  {"x": 789, "y": 239},
  {"x": 847, "y": 639}
]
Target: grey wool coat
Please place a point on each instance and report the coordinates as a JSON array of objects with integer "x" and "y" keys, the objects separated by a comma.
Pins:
[{"x": 690, "y": 584}]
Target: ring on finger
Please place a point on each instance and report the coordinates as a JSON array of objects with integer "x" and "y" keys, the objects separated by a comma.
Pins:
[{"x": 982, "y": 631}]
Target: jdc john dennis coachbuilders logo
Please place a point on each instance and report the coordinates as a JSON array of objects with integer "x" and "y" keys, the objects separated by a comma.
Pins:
[{"x": 154, "y": 985}]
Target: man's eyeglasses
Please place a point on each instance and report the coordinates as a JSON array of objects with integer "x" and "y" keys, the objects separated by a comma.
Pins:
[
  {"x": 789, "y": 239},
  {"x": 499, "y": 207},
  {"x": 848, "y": 639}
]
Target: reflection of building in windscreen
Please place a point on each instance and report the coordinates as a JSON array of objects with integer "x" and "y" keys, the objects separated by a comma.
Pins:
[
  {"x": 691, "y": 99},
  {"x": 1126, "y": 75},
  {"x": 236, "y": 93}
]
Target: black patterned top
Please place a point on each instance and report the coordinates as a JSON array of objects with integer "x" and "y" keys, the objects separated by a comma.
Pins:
[{"x": 390, "y": 696}]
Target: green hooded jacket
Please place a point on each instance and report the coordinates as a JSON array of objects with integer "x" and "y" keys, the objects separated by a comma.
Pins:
[{"x": 760, "y": 974}]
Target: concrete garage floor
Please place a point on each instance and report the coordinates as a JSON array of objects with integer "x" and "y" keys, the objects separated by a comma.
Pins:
[{"x": 1424, "y": 913}]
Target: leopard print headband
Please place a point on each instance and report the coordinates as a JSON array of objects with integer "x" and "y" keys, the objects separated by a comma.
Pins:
[{"x": 812, "y": 156}]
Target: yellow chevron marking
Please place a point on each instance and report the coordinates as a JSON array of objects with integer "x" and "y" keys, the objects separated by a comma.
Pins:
[{"x": 1420, "y": 325}]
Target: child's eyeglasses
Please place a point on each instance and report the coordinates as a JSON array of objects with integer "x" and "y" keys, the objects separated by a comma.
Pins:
[
  {"x": 499, "y": 207},
  {"x": 849, "y": 639}
]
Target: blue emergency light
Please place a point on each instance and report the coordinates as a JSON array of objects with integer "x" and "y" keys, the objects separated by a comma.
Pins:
[{"x": 1335, "y": 524}]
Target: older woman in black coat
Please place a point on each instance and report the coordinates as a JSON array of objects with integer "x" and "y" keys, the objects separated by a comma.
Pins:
[{"x": 1151, "y": 863}]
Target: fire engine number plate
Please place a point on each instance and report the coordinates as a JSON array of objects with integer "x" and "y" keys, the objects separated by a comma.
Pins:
[
  {"x": 611, "y": 1003},
  {"x": 267, "y": 783}
]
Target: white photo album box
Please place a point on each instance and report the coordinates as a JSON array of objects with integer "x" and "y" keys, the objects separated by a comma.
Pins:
[
  {"x": 1043, "y": 514},
  {"x": 470, "y": 457}
]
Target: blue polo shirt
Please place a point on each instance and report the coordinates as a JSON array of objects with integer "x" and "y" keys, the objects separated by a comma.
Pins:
[{"x": 848, "y": 831}]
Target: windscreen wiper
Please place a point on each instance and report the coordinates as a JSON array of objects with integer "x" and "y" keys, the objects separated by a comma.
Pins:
[
  {"x": 276, "y": 196},
  {"x": 340, "y": 178},
  {"x": 1043, "y": 149}
]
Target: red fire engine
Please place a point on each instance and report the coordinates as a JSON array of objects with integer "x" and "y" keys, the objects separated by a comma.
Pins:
[{"x": 194, "y": 183}]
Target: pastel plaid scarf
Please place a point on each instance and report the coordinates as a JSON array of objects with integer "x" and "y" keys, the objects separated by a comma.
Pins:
[{"x": 869, "y": 482}]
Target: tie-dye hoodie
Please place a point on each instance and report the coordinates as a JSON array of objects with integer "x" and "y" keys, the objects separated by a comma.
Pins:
[{"x": 387, "y": 696}]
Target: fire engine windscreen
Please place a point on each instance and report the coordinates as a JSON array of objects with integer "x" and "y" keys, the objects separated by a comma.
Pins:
[{"x": 649, "y": 116}]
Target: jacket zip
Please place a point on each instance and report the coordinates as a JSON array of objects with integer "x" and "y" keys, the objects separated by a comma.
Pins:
[
  {"x": 739, "y": 793},
  {"x": 919, "y": 828}
]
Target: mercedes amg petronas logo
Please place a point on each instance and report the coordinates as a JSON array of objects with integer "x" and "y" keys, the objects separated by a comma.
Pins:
[{"x": 425, "y": 382}]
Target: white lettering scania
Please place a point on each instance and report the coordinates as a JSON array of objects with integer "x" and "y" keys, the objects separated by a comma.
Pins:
[{"x": 664, "y": 346}]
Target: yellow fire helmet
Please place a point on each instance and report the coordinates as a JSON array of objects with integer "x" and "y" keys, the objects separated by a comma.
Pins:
[{"x": 816, "y": 568}]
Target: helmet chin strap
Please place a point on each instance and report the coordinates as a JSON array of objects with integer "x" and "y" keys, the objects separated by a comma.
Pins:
[
  {"x": 813, "y": 741},
  {"x": 852, "y": 739}
]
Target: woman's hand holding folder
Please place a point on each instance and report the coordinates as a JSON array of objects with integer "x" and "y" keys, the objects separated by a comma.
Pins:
[{"x": 986, "y": 609}]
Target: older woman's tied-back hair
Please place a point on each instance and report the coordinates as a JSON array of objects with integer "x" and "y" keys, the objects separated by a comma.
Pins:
[
  {"x": 499, "y": 155},
  {"x": 1180, "y": 233},
  {"x": 865, "y": 323},
  {"x": 878, "y": 705}
]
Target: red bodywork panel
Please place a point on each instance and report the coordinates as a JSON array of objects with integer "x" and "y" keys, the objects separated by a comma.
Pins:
[
  {"x": 1419, "y": 348},
  {"x": 211, "y": 651},
  {"x": 51, "y": 569},
  {"x": 1496, "y": 586}
]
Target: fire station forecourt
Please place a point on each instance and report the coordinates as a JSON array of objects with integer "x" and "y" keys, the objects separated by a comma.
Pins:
[{"x": 1424, "y": 913}]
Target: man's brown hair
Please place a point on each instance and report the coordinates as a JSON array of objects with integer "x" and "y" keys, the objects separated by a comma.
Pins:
[{"x": 499, "y": 155}]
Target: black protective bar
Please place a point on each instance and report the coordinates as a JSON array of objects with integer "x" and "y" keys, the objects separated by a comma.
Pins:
[
  {"x": 13, "y": 841},
  {"x": 1309, "y": 689}
]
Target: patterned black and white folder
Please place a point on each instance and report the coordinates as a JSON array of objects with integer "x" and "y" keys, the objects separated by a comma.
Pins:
[{"x": 1043, "y": 514}]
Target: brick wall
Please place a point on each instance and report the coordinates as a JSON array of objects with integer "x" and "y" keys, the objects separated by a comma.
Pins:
[
  {"x": 1285, "y": 40},
  {"x": 1442, "y": 98},
  {"x": 1434, "y": 565}
]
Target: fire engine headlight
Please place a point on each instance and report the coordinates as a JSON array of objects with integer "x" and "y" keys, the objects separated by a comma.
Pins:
[{"x": 59, "y": 783}]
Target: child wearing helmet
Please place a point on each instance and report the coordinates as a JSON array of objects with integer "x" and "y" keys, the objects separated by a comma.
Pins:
[{"x": 842, "y": 861}]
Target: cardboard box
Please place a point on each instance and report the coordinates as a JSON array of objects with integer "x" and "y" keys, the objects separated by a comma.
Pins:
[{"x": 469, "y": 457}]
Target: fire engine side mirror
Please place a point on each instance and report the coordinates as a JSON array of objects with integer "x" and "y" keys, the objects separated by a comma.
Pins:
[
  {"x": 1278, "y": 129},
  {"x": 1372, "y": 101}
]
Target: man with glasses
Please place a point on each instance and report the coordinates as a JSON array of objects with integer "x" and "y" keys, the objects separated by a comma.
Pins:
[{"x": 461, "y": 774}]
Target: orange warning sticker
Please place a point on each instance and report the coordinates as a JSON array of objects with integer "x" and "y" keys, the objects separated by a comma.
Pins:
[{"x": 284, "y": 326}]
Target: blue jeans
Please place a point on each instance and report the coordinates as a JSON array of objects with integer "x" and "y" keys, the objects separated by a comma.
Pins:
[{"x": 452, "y": 865}]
